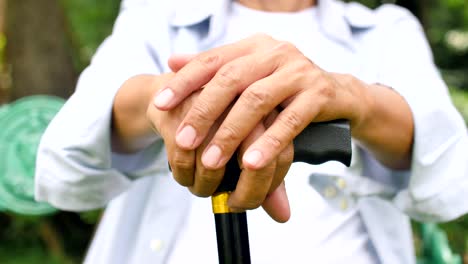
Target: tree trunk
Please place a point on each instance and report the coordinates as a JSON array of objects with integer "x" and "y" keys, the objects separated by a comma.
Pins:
[
  {"x": 38, "y": 50},
  {"x": 5, "y": 79}
]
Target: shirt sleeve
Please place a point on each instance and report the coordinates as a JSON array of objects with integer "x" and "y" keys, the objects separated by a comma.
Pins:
[
  {"x": 437, "y": 188},
  {"x": 75, "y": 167}
]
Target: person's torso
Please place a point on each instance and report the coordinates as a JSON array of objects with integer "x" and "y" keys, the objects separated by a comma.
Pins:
[
  {"x": 316, "y": 231},
  {"x": 168, "y": 224}
]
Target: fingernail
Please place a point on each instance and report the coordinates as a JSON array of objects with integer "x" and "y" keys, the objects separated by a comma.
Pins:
[
  {"x": 164, "y": 98},
  {"x": 186, "y": 137},
  {"x": 212, "y": 156},
  {"x": 253, "y": 157}
]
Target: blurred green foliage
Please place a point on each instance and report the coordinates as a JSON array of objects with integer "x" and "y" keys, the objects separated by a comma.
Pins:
[
  {"x": 447, "y": 30},
  {"x": 457, "y": 234},
  {"x": 57, "y": 238},
  {"x": 62, "y": 237},
  {"x": 89, "y": 21},
  {"x": 460, "y": 99}
]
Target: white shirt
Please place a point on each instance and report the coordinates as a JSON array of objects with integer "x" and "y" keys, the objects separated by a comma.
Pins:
[{"x": 76, "y": 169}]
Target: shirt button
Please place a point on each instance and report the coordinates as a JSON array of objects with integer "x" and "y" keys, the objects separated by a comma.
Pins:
[
  {"x": 344, "y": 204},
  {"x": 156, "y": 245},
  {"x": 330, "y": 192},
  {"x": 341, "y": 183}
]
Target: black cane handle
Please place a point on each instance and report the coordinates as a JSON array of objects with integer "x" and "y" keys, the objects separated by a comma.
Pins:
[
  {"x": 316, "y": 144},
  {"x": 322, "y": 142}
]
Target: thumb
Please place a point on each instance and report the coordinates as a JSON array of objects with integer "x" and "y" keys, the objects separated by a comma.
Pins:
[
  {"x": 177, "y": 61},
  {"x": 277, "y": 205}
]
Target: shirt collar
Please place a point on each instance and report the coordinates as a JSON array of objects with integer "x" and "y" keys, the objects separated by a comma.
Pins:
[
  {"x": 186, "y": 13},
  {"x": 336, "y": 19}
]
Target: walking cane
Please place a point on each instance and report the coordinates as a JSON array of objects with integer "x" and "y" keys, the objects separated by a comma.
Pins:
[{"x": 318, "y": 143}]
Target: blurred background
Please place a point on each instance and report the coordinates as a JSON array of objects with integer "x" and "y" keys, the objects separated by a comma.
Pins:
[{"x": 44, "y": 45}]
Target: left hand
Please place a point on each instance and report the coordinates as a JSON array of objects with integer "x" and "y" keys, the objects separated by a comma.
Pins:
[
  {"x": 263, "y": 187},
  {"x": 263, "y": 73}
]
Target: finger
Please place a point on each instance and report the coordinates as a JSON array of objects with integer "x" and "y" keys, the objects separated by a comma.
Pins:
[
  {"x": 206, "y": 181},
  {"x": 253, "y": 105},
  {"x": 276, "y": 203},
  {"x": 219, "y": 93},
  {"x": 202, "y": 68},
  {"x": 283, "y": 163},
  {"x": 182, "y": 162},
  {"x": 177, "y": 61},
  {"x": 253, "y": 185},
  {"x": 289, "y": 123},
  {"x": 277, "y": 206},
  {"x": 285, "y": 158}
]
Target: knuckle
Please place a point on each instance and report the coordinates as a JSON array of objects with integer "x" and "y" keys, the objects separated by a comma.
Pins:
[
  {"x": 257, "y": 98},
  {"x": 202, "y": 111},
  {"x": 303, "y": 66},
  {"x": 286, "y": 47},
  {"x": 250, "y": 203},
  {"x": 208, "y": 61},
  {"x": 262, "y": 36},
  {"x": 182, "y": 169},
  {"x": 229, "y": 76},
  {"x": 302, "y": 70},
  {"x": 348, "y": 79},
  {"x": 197, "y": 192},
  {"x": 286, "y": 156},
  {"x": 259, "y": 41},
  {"x": 291, "y": 122},
  {"x": 253, "y": 193},
  {"x": 273, "y": 141},
  {"x": 186, "y": 81},
  {"x": 326, "y": 90},
  {"x": 302, "y": 73},
  {"x": 208, "y": 179},
  {"x": 205, "y": 184},
  {"x": 229, "y": 133},
  {"x": 181, "y": 161}
]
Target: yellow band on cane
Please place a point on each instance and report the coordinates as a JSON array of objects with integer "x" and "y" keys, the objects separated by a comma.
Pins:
[{"x": 219, "y": 203}]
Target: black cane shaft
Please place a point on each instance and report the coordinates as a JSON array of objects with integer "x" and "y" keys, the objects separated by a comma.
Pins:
[{"x": 232, "y": 238}]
